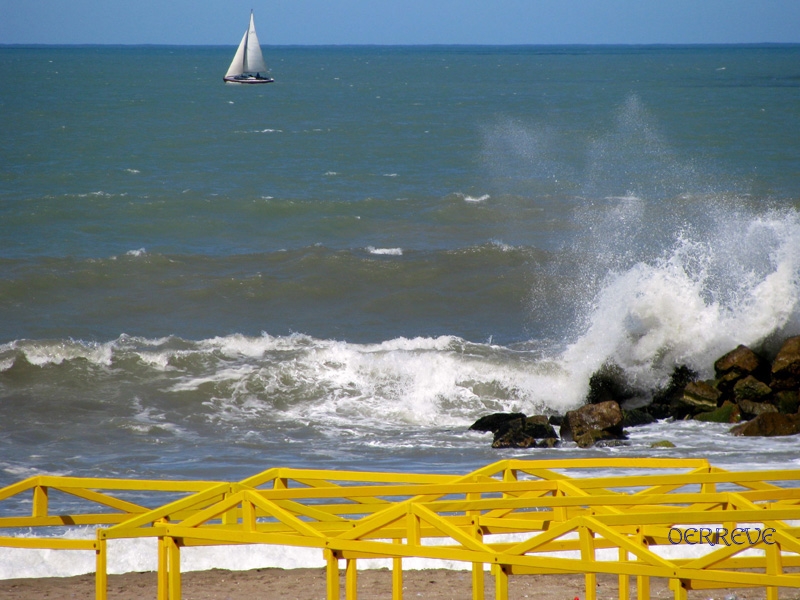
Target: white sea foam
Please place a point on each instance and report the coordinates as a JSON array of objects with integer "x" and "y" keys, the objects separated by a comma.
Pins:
[
  {"x": 385, "y": 251},
  {"x": 502, "y": 245},
  {"x": 23, "y": 472},
  {"x": 42, "y": 353},
  {"x": 141, "y": 555},
  {"x": 420, "y": 381}
]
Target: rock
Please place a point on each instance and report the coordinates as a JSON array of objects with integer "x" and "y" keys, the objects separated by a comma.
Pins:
[
  {"x": 787, "y": 401},
  {"x": 609, "y": 383},
  {"x": 743, "y": 361},
  {"x": 745, "y": 387},
  {"x": 597, "y": 437},
  {"x": 658, "y": 411},
  {"x": 752, "y": 409},
  {"x": 524, "y": 433},
  {"x": 697, "y": 397},
  {"x": 769, "y": 424},
  {"x": 513, "y": 439},
  {"x": 497, "y": 422},
  {"x": 539, "y": 427},
  {"x": 751, "y": 388},
  {"x": 603, "y": 416},
  {"x": 662, "y": 444},
  {"x": 611, "y": 443},
  {"x": 701, "y": 392},
  {"x": 660, "y": 407},
  {"x": 516, "y": 438},
  {"x": 726, "y": 382},
  {"x": 636, "y": 417},
  {"x": 548, "y": 443},
  {"x": 786, "y": 366},
  {"x": 727, "y": 413},
  {"x": 738, "y": 364}
]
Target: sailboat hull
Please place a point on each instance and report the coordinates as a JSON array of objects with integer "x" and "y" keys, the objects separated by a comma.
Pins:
[{"x": 247, "y": 80}]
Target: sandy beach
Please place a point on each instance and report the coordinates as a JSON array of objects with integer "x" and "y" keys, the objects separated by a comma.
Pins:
[{"x": 309, "y": 584}]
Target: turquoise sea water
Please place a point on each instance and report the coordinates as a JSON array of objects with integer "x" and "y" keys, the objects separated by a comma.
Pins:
[{"x": 347, "y": 267}]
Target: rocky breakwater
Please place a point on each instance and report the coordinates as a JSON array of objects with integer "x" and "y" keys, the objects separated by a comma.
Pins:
[{"x": 759, "y": 396}]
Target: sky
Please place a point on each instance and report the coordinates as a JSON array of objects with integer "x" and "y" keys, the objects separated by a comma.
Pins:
[{"x": 311, "y": 22}]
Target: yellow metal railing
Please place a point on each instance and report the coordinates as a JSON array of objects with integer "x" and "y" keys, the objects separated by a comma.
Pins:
[
  {"x": 515, "y": 516},
  {"x": 99, "y": 504}
]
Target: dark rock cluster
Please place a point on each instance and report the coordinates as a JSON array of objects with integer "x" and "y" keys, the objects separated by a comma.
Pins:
[{"x": 760, "y": 396}]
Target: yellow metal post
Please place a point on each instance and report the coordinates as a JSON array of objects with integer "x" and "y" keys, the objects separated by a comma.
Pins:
[
  {"x": 248, "y": 516},
  {"x": 163, "y": 570},
  {"x": 351, "y": 580},
  {"x": 624, "y": 580},
  {"x": 680, "y": 591},
  {"x": 478, "y": 584},
  {"x": 774, "y": 567},
  {"x": 174, "y": 559},
  {"x": 101, "y": 570},
  {"x": 413, "y": 527},
  {"x": 642, "y": 581},
  {"x": 643, "y": 588},
  {"x": 397, "y": 576},
  {"x": 587, "y": 556},
  {"x": 477, "y": 581},
  {"x": 230, "y": 517},
  {"x": 40, "y": 493},
  {"x": 332, "y": 574},
  {"x": 500, "y": 582}
]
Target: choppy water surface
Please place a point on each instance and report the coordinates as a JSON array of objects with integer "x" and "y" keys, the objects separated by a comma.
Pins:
[{"x": 349, "y": 267}]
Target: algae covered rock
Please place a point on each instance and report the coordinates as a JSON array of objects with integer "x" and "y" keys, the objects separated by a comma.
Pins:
[
  {"x": 662, "y": 444},
  {"x": 787, "y": 401},
  {"x": 727, "y": 413},
  {"x": 769, "y": 425},
  {"x": 752, "y": 389}
]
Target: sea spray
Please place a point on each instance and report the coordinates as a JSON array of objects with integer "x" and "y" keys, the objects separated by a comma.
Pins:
[
  {"x": 735, "y": 282},
  {"x": 665, "y": 265}
]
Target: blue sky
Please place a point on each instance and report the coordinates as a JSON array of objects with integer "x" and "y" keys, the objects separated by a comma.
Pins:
[{"x": 400, "y": 21}]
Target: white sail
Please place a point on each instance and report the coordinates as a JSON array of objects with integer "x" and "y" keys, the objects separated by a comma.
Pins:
[
  {"x": 248, "y": 58},
  {"x": 237, "y": 64},
  {"x": 254, "y": 60}
]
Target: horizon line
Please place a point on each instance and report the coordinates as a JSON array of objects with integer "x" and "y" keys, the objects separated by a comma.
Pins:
[{"x": 410, "y": 45}]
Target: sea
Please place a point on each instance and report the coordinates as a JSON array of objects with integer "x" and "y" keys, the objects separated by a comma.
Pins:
[{"x": 344, "y": 269}]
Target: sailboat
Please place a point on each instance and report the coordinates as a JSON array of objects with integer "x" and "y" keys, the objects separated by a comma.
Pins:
[{"x": 248, "y": 64}]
